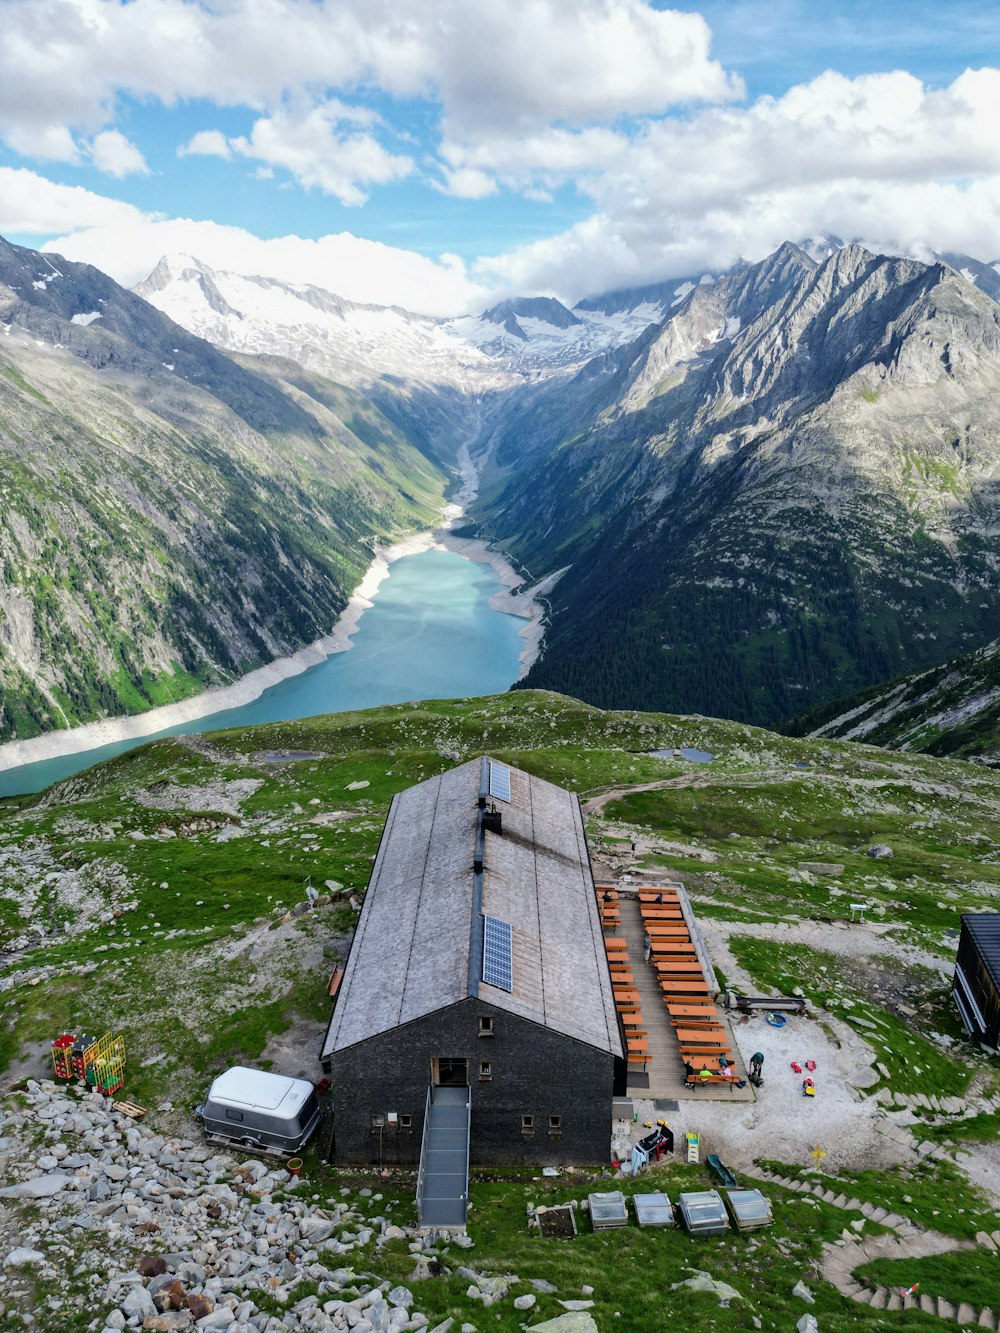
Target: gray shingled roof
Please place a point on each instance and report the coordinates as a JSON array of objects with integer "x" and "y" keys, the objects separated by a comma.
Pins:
[{"x": 418, "y": 925}]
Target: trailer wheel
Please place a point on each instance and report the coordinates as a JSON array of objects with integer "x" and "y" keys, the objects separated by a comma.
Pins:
[{"x": 249, "y": 1142}]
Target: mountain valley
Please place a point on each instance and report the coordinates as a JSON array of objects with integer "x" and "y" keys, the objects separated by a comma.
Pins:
[
  {"x": 766, "y": 488},
  {"x": 760, "y": 490},
  {"x": 171, "y": 518}
]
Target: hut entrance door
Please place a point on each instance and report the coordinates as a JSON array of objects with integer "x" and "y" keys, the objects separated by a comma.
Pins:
[{"x": 449, "y": 1072}]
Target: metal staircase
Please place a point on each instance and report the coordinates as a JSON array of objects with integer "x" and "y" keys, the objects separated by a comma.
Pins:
[{"x": 443, "y": 1178}]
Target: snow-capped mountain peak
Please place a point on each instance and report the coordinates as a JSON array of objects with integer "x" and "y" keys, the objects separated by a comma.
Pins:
[{"x": 517, "y": 338}]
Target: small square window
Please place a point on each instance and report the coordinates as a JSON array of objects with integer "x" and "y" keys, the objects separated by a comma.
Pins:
[
  {"x": 233, "y": 1115},
  {"x": 555, "y": 1122},
  {"x": 378, "y": 1121},
  {"x": 527, "y": 1127},
  {"x": 406, "y": 1124},
  {"x": 486, "y": 1026},
  {"x": 485, "y": 1071}
]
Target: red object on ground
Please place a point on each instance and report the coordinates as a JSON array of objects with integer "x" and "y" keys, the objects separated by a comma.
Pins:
[
  {"x": 796, "y": 1066},
  {"x": 62, "y": 1055},
  {"x": 810, "y": 1065}
]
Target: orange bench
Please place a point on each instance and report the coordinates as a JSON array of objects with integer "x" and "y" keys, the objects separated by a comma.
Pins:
[
  {"x": 333, "y": 986},
  {"x": 696, "y": 1080}
]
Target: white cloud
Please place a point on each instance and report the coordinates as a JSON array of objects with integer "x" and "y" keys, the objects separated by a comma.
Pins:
[
  {"x": 31, "y": 205},
  {"x": 46, "y": 142},
  {"x": 468, "y": 183},
  {"x": 112, "y": 153},
  {"x": 357, "y": 269},
  {"x": 491, "y": 67},
  {"x": 518, "y": 67},
  {"x": 880, "y": 158},
  {"x": 324, "y": 146},
  {"x": 206, "y": 143},
  {"x": 528, "y": 163}
]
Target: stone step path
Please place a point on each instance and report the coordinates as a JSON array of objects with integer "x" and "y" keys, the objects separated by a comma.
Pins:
[
  {"x": 894, "y": 1221},
  {"x": 841, "y": 1258}
]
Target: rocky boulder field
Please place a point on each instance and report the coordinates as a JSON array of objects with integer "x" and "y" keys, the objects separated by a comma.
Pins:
[{"x": 166, "y": 1233}]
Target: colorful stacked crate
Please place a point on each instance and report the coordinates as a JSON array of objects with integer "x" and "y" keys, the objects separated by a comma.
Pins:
[
  {"x": 62, "y": 1055},
  {"x": 106, "y": 1065},
  {"x": 80, "y": 1050}
]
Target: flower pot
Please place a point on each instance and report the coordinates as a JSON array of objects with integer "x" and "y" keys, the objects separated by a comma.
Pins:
[{"x": 294, "y": 1165}]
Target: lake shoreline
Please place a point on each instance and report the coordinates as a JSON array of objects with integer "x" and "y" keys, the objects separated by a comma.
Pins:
[{"x": 109, "y": 731}]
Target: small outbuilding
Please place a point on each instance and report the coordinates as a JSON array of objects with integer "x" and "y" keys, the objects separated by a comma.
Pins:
[
  {"x": 977, "y": 977},
  {"x": 476, "y": 1018}
]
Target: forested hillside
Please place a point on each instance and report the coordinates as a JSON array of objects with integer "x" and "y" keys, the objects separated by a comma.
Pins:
[{"x": 786, "y": 491}]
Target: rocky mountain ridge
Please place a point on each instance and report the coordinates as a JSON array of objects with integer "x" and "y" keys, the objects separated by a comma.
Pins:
[
  {"x": 514, "y": 341},
  {"x": 170, "y": 517},
  {"x": 789, "y": 485}
]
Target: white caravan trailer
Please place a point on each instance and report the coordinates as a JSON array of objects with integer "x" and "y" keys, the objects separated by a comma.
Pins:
[{"x": 261, "y": 1110}]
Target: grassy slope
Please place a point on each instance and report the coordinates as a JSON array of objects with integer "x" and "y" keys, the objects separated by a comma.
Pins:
[
  {"x": 203, "y": 971},
  {"x": 952, "y": 709},
  {"x": 157, "y": 544}
]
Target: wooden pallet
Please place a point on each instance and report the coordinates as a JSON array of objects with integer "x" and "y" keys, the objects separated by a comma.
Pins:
[{"x": 129, "y": 1109}]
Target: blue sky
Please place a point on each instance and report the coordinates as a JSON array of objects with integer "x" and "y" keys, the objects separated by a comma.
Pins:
[{"x": 440, "y": 153}]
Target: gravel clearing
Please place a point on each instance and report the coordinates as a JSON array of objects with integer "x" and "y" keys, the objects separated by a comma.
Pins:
[{"x": 783, "y": 1123}]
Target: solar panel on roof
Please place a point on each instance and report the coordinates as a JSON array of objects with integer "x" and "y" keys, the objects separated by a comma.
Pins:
[
  {"x": 500, "y": 781},
  {"x": 498, "y": 965}
]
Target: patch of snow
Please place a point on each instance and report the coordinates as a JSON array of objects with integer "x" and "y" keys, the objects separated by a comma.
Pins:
[
  {"x": 683, "y": 290},
  {"x": 88, "y": 318},
  {"x": 39, "y": 286},
  {"x": 356, "y": 343}
]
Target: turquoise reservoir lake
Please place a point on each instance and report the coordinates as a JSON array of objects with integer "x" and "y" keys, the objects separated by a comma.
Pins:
[{"x": 430, "y": 634}]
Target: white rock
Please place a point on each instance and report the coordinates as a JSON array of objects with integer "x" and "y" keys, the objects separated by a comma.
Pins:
[
  {"x": 39, "y": 1187},
  {"x": 22, "y": 1256}
]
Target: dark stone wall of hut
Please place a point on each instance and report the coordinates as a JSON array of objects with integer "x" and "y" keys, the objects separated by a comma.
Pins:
[
  {"x": 523, "y": 1069},
  {"x": 982, "y": 985}
]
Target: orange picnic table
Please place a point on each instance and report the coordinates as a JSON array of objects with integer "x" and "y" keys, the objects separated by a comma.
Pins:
[
  {"x": 626, "y": 995},
  {"x": 703, "y": 1037},
  {"x": 616, "y": 945},
  {"x": 702, "y": 1021},
  {"x": 691, "y": 985},
  {"x": 691, "y": 1008},
  {"x": 669, "y": 967}
]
